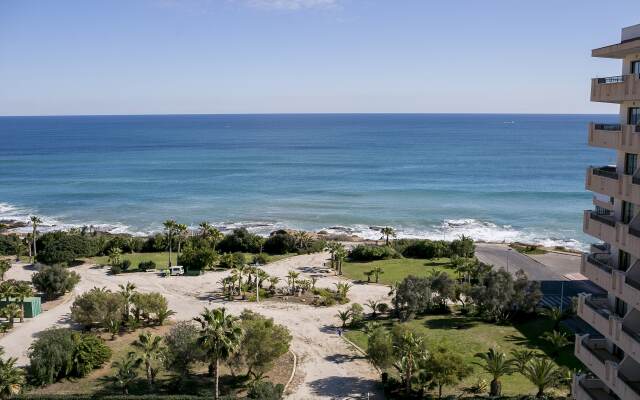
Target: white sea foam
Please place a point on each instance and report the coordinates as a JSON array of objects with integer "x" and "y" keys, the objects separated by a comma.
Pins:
[{"x": 448, "y": 230}]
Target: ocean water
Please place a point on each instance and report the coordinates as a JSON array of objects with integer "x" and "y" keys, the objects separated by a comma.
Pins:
[{"x": 493, "y": 177}]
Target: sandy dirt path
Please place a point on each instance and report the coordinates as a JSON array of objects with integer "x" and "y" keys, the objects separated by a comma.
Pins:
[{"x": 328, "y": 368}]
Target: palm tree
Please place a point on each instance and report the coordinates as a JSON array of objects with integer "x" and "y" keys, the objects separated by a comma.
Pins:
[
  {"x": 344, "y": 317},
  {"x": 340, "y": 255},
  {"x": 410, "y": 350},
  {"x": 557, "y": 340},
  {"x": 273, "y": 281},
  {"x": 207, "y": 231},
  {"x": 163, "y": 313},
  {"x": 292, "y": 276},
  {"x": 5, "y": 265},
  {"x": 126, "y": 371},
  {"x": 127, "y": 292},
  {"x": 170, "y": 228},
  {"x": 554, "y": 314},
  {"x": 12, "y": 378},
  {"x": 543, "y": 373},
  {"x": 181, "y": 231},
  {"x": 150, "y": 350},
  {"x": 11, "y": 311},
  {"x": 343, "y": 289},
  {"x": 373, "y": 305},
  {"x": 220, "y": 337},
  {"x": 333, "y": 248},
  {"x": 35, "y": 221},
  {"x": 386, "y": 232},
  {"x": 114, "y": 256},
  {"x": 377, "y": 271},
  {"x": 22, "y": 290},
  {"x": 497, "y": 365},
  {"x": 521, "y": 357}
]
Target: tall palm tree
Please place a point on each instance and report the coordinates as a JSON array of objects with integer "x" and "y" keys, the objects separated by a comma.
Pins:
[
  {"x": 22, "y": 290},
  {"x": 373, "y": 305},
  {"x": 343, "y": 289},
  {"x": 377, "y": 271},
  {"x": 292, "y": 276},
  {"x": 386, "y": 232},
  {"x": 557, "y": 340},
  {"x": 35, "y": 221},
  {"x": 150, "y": 351},
  {"x": 543, "y": 373},
  {"x": 126, "y": 371},
  {"x": 127, "y": 292},
  {"x": 273, "y": 281},
  {"x": 332, "y": 248},
  {"x": 12, "y": 378},
  {"x": 220, "y": 337},
  {"x": 340, "y": 255},
  {"x": 181, "y": 232},
  {"x": 497, "y": 365},
  {"x": 170, "y": 228},
  {"x": 114, "y": 256}
]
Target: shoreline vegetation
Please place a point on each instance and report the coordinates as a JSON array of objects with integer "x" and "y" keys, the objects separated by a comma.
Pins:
[{"x": 447, "y": 316}]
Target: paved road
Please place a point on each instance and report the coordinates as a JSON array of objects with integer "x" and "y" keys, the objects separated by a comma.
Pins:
[{"x": 501, "y": 256}]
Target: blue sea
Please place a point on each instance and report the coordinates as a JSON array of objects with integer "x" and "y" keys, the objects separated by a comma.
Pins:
[{"x": 493, "y": 177}]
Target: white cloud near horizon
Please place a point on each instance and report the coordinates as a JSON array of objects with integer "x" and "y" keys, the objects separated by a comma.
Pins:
[{"x": 292, "y": 4}]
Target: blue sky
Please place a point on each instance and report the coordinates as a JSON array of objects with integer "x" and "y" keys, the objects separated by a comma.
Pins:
[{"x": 265, "y": 56}]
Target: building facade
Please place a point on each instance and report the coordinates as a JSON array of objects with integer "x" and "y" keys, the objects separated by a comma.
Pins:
[{"x": 612, "y": 355}]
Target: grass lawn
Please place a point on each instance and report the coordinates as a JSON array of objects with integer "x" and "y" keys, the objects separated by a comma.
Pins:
[
  {"x": 468, "y": 336},
  {"x": 162, "y": 259},
  {"x": 396, "y": 269}
]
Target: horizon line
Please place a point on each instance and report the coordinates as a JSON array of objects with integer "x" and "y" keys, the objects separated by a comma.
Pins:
[{"x": 291, "y": 113}]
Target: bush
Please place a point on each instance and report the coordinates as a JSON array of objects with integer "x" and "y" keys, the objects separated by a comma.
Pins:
[
  {"x": 54, "y": 281},
  {"x": 9, "y": 244},
  {"x": 64, "y": 247},
  {"x": 265, "y": 390},
  {"x": 280, "y": 242},
  {"x": 116, "y": 269},
  {"x": 371, "y": 253},
  {"x": 241, "y": 240},
  {"x": 426, "y": 249},
  {"x": 197, "y": 259},
  {"x": 260, "y": 258},
  {"x": 146, "y": 265},
  {"x": 125, "y": 264},
  {"x": 97, "y": 308},
  {"x": 60, "y": 353},
  {"x": 183, "y": 350}
]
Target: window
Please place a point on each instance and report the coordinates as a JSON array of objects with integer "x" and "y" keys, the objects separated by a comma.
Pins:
[
  {"x": 634, "y": 116},
  {"x": 630, "y": 163},
  {"x": 624, "y": 260},
  {"x": 621, "y": 307},
  {"x": 635, "y": 67},
  {"x": 627, "y": 212}
]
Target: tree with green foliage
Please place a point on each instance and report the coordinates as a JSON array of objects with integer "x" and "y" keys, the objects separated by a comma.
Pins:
[
  {"x": 150, "y": 351},
  {"x": 387, "y": 232},
  {"x": 521, "y": 357},
  {"x": 265, "y": 390},
  {"x": 220, "y": 336},
  {"x": 292, "y": 278},
  {"x": 89, "y": 353},
  {"x": 380, "y": 348},
  {"x": 12, "y": 378},
  {"x": 183, "y": 350},
  {"x": 373, "y": 305},
  {"x": 5, "y": 265},
  {"x": 197, "y": 259},
  {"x": 497, "y": 365},
  {"x": 445, "y": 368},
  {"x": 127, "y": 291},
  {"x": 542, "y": 373},
  {"x": 241, "y": 240},
  {"x": 99, "y": 308},
  {"x": 555, "y": 315},
  {"x": 10, "y": 311},
  {"x": 343, "y": 316},
  {"x": 126, "y": 371},
  {"x": 170, "y": 229},
  {"x": 409, "y": 351},
  {"x": 54, "y": 281},
  {"x": 263, "y": 342}
]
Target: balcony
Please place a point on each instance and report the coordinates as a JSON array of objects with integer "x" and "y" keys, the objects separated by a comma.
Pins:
[
  {"x": 597, "y": 312},
  {"x": 588, "y": 388},
  {"x": 630, "y": 386},
  {"x": 593, "y": 353},
  {"x": 598, "y": 270},
  {"x": 607, "y": 229},
  {"x": 604, "y": 180},
  {"x": 615, "y": 136},
  {"x": 615, "y": 89}
]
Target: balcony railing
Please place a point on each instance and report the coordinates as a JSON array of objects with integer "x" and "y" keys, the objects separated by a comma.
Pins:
[
  {"x": 600, "y": 304},
  {"x": 607, "y": 219},
  {"x": 607, "y": 171},
  {"x": 635, "y": 231},
  {"x": 600, "y": 352},
  {"x": 598, "y": 263},
  {"x": 595, "y": 393},
  {"x": 634, "y": 283},
  {"x": 603, "y": 247},
  {"x": 608, "y": 127},
  {"x": 631, "y": 333},
  {"x": 633, "y": 384},
  {"x": 612, "y": 79}
]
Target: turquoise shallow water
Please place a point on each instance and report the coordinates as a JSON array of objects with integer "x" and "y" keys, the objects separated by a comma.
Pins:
[{"x": 494, "y": 177}]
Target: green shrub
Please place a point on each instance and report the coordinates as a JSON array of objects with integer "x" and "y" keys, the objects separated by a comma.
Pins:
[
  {"x": 9, "y": 244},
  {"x": 426, "y": 249},
  {"x": 125, "y": 264},
  {"x": 371, "y": 253},
  {"x": 64, "y": 247},
  {"x": 146, "y": 265},
  {"x": 241, "y": 240},
  {"x": 260, "y": 258},
  {"x": 280, "y": 242},
  {"x": 54, "y": 281},
  {"x": 197, "y": 259},
  {"x": 265, "y": 390}
]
